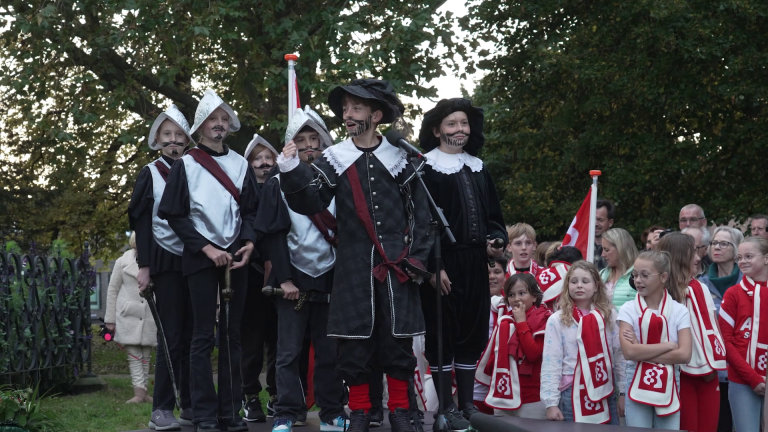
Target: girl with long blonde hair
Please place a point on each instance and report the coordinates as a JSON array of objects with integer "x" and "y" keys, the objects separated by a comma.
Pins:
[{"x": 583, "y": 363}]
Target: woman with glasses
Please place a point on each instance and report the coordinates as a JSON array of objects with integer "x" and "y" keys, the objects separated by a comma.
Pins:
[
  {"x": 745, "y": 333},
  {"x": 619, "y": 253},
  {"x": 699, "y": 395},
  {"x": 724, "y": 273}
]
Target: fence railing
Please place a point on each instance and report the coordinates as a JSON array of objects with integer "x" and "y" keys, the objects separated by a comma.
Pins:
[{"x": 45, "y": 321}]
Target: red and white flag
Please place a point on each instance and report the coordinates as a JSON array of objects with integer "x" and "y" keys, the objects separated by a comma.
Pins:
[
  {"x": 293, "y": 86},
  {"x": 581, "y": 233}
]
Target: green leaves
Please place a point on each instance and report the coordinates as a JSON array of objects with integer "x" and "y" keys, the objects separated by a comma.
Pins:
[
  {"x": 667, "y": 98},
  {"x": 84, "y": 80}
]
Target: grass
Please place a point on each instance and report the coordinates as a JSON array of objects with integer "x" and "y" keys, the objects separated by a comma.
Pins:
[
  {"x": 104, "y": 411},
  {"x": 110, "y": 359}
]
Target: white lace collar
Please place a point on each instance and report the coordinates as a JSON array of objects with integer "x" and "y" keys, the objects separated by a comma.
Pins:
[
  {"x": 447, "y": 163},
  {"x": 344, "y": 154}
]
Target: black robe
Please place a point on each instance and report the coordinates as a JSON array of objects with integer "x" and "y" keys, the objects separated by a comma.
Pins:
[
  {"x": 309, "y": 190},
  {"x": 174, "y": 207},
  {"x": 148, "y": 252},
  {"x": 470, "y": 204}
]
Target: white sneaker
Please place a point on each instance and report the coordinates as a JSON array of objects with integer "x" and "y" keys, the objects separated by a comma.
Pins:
[{"x": 339, "y": 424}]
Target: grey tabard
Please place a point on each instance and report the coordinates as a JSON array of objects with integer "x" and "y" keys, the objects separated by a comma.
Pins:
[
  {"x": 161, "y": 231},
  {"x": 212, "y": 209},
  {"x": 309, "y": 251}
]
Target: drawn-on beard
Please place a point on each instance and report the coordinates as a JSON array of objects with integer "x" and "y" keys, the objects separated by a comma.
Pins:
[
  {"x": 219, "y": 129},
  {"x": 175, "y": 152},
  {"x": 310, "y": 158},
  {"x": 361, "y": 127},
  {"x": 453, "y": 142}
]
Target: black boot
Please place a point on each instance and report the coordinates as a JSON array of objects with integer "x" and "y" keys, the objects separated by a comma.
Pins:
[
  {"x": 230, "y": 424},
  {"x": 400, "y": 420},
  {"x": 465, "y": 381},
  {"x": 359, "y": 421},
  {"x": 207, "y": 426}
]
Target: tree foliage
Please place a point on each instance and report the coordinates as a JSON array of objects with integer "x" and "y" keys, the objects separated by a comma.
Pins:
[
  {"x": 82, "y": 81},
  {"x": 666, "y": 97}
]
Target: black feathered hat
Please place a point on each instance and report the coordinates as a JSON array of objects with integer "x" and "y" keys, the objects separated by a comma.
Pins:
[
  {"x": 370, "y": 89},
  {"x": 432, "y": 119}
]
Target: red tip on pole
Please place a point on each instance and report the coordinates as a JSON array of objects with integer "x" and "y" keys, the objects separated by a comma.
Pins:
[
  {"x": 293, "y": 57},
  {"x": 595, "y": 173}
]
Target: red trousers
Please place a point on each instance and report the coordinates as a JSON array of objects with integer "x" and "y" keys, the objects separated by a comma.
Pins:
[{"x": 699, "y": 403}]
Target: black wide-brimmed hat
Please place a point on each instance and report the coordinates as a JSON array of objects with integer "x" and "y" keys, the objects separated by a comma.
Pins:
[
  {"x": 432, "y": 119},
  {"x": 369, "y": 89}
]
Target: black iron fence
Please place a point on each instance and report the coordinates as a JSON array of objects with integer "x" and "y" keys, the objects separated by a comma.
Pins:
[{"x": 45, "y": 321}]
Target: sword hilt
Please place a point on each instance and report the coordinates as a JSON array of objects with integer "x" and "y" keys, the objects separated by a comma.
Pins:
[
  {"x": 149, "y": 290},
  {"x": 226, "y": 293}
]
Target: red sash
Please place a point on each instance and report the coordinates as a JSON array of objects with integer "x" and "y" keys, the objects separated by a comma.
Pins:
[
  {"x": 592, "y": 386},
  {"x": 654, "y": 384},
  {"x": 325, "y": 221},
  {"x": 162, "y": 169},
  {"x": 708, "y": 346},
  {"x": 757, "y": 351},
  {"x": 207, "y": 162},
  {"x": 361, "y": 207},
  {"x": 498, "y": 369}
]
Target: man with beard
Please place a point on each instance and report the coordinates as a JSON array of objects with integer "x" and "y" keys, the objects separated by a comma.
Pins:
[
  {"x": 258, "y": 326},
  {"x": 452, "y": 134},
  {"x": 384, "y": 241},
  {"x": 302, "y": 251},
  {"x": 158, "y": 252},
  {"x": 210, "y": 202}
]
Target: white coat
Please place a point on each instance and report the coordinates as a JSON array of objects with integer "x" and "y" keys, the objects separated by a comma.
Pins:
[{"x": 129, "y": 312}]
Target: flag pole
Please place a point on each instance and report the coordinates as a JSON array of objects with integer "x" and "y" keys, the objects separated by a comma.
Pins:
[
  {"x": 292, "y": 96},
  {"x": 592, "y": 216}
]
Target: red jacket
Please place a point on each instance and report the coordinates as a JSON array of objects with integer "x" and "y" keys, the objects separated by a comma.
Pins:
[
  {"x": 527, "y": 345},
  {"x": 736, "y": 326}
]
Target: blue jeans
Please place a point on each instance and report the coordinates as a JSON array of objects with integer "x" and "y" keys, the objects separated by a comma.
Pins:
[
  {"x": 746, "y": 406},
  {"x": 644, "y": 416},
  {"x": 566, "y": 406}
]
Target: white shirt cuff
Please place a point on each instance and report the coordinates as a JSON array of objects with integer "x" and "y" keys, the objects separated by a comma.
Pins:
[{"x": 287, "y": 164}]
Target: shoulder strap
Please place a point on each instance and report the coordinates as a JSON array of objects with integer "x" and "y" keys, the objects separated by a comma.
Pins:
[
  {"x": 162, "y": 169},
  {"x": 325, "y": 221},
  {"x": 208, "y": 163}
]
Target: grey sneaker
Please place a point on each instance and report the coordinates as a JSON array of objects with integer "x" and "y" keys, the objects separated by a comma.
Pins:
[
  {"x": 163, "y": 420},
  {"x": 186, "y": 417}
]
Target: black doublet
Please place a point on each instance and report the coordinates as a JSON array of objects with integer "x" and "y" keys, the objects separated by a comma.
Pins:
[
  {"x": 358, "y": 296},
  {"x": 472, "y": 208}
]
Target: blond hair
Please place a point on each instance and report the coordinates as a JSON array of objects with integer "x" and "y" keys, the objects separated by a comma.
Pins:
[
  {"x": 625, "y": 245},
  {"x": 519, "y": 229},
  {"x": 600, "y": 299},
  {"x": 681, "y": 248},
  {"x": 132, "y": 240}
]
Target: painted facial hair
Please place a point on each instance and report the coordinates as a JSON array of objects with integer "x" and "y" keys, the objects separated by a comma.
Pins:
[
  {"x": 361, "y": 126},
  {"x": 220, "y": 130},
  {"x": 454, "y": 142}
]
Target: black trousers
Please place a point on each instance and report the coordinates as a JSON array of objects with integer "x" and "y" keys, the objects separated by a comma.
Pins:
[
  {"x": 328, "y": 387},
  {"x": 383, "y": 352},
  {"x": 258, "y": 328},
  {"x": 174, "y": 308},
  {"x": 465, "y": 310},
  {"x": 204, "y": 287}
]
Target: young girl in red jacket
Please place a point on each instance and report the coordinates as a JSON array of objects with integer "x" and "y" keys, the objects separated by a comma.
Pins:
[
  {"x": 745, "y": 331},
  {"x": 511, "y": 363}
]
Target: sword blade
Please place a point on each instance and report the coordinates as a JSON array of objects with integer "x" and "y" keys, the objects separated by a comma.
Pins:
[{"x": 153, "y": 309}]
